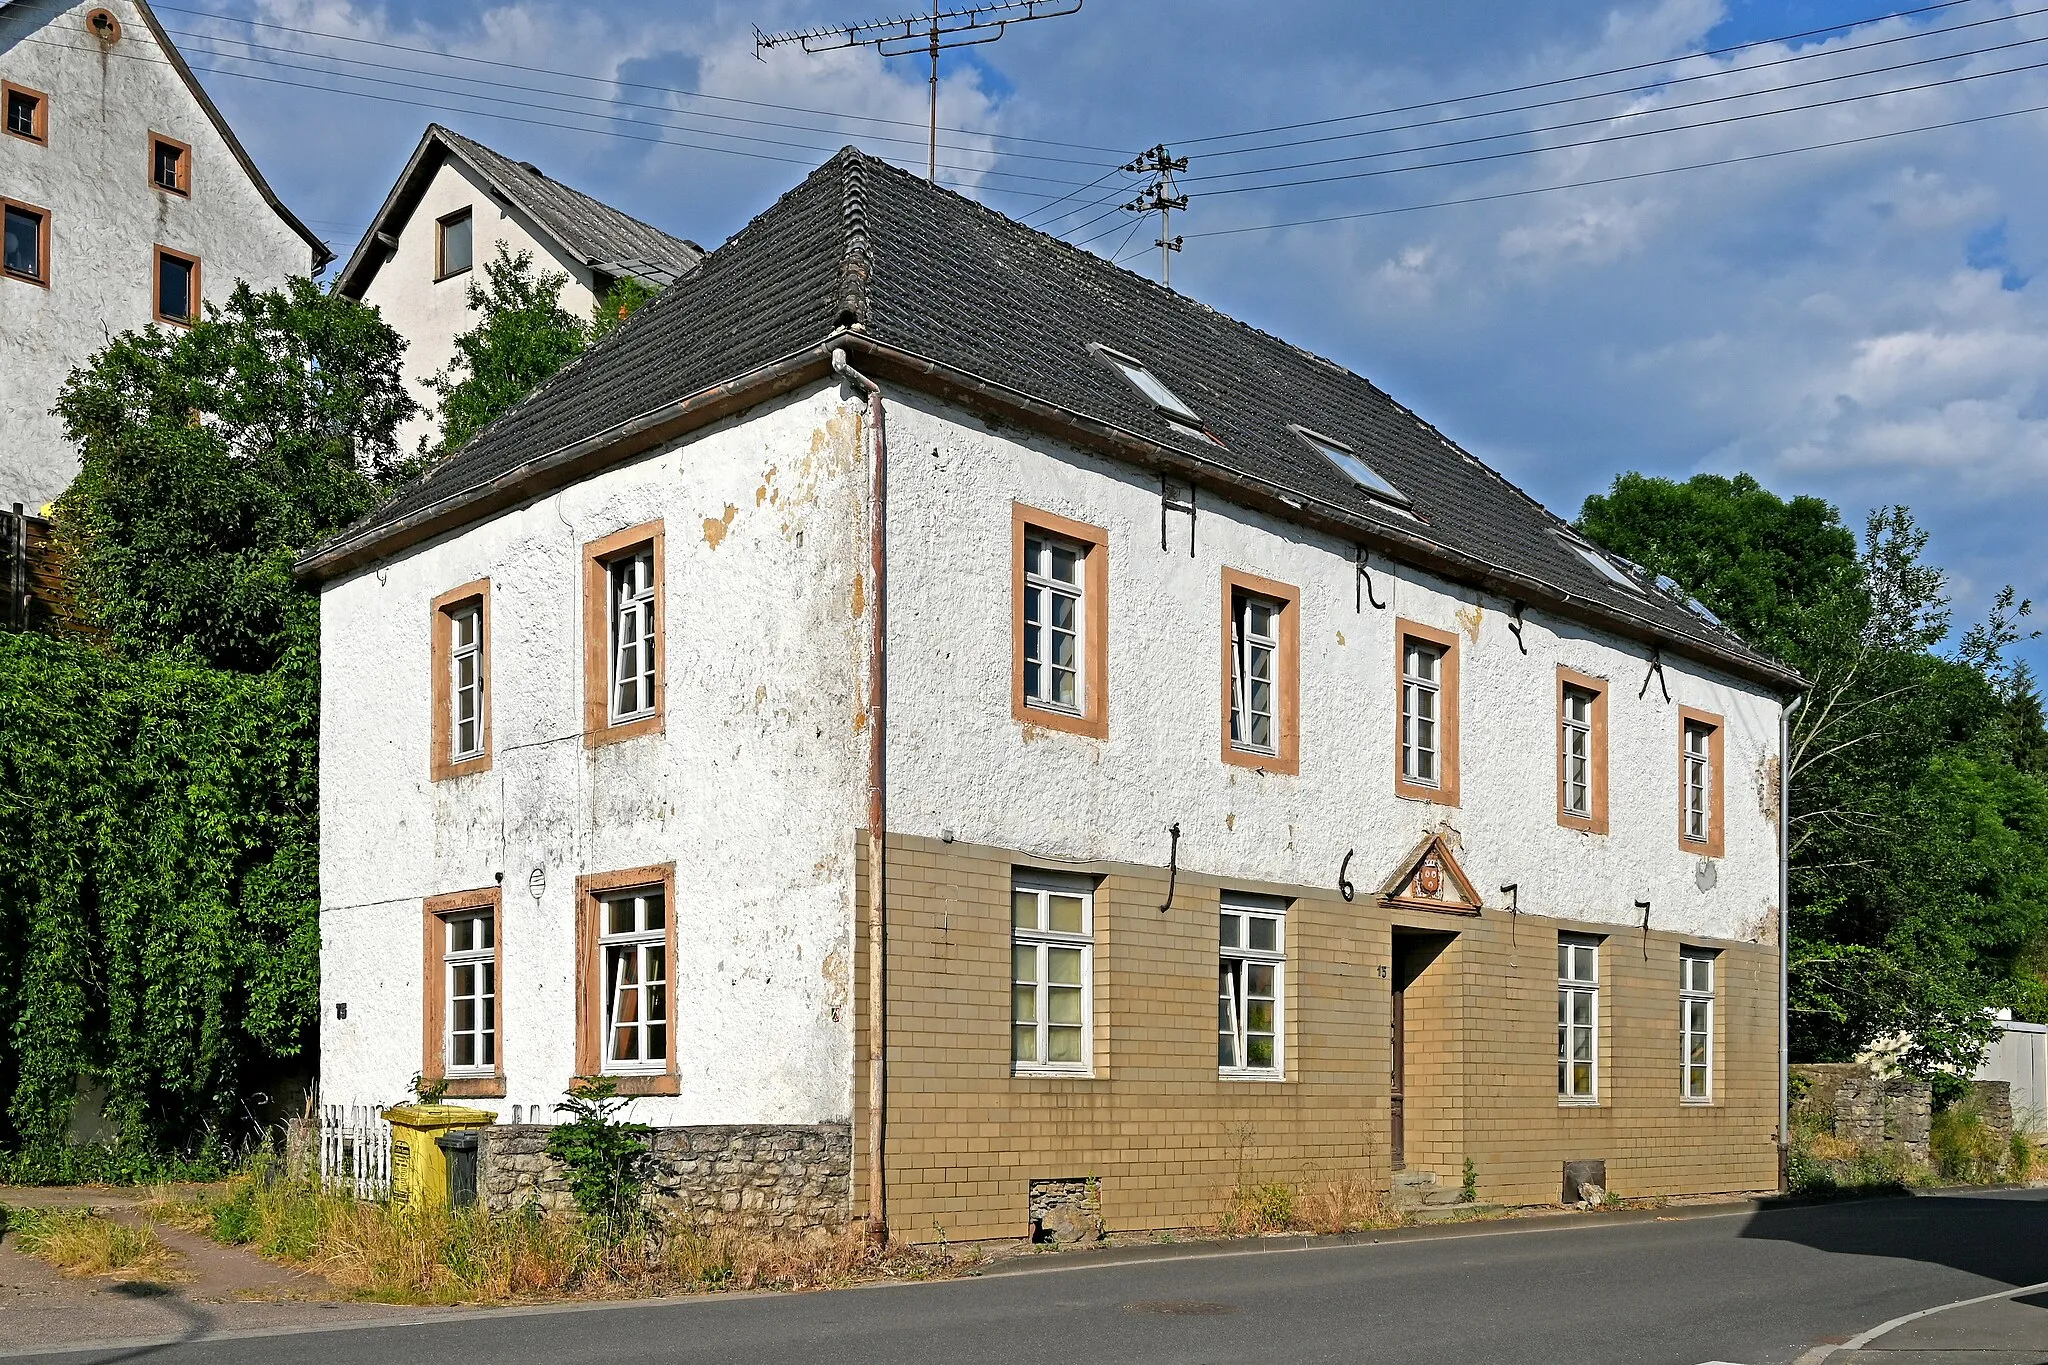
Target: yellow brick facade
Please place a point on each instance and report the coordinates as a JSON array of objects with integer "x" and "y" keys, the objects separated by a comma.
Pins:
[{"x": 1168, "y": 1138}]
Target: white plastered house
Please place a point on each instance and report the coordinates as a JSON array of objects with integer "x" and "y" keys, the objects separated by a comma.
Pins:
[{"x": 1258, "y": 777}]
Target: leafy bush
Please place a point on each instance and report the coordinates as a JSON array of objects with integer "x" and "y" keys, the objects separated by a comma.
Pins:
[
  {"x": 111, "y": 1163},
  {"x": 604, "y": 1158}
]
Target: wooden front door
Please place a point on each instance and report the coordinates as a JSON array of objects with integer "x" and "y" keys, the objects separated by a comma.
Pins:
[{"x": 1399, "y": 1084}]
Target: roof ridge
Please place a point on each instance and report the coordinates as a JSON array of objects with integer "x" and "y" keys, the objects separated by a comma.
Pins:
[
  {"x": 856, "y": 265},
  {"x": 451, "y": 135}
]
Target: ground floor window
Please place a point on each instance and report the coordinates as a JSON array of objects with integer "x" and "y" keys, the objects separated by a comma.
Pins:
[
  {"x": 1578, "y": 1016},
  {"x": 633, "y": 950},
  {"x": 1696, "y": 1024},
  {"x": 1052, "y": 925},
  {"x": 1252, "y": 957}
]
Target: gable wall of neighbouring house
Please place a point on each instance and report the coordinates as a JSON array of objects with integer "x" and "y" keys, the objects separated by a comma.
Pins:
[
  {"x": 429, "y": 312},
  {"x": 107, "y": 218}
]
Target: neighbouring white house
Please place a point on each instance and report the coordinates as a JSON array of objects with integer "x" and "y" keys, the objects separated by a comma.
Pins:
[
  {"x": 455, "y": 203},
  {"x": 1186, "y": 761},
  {"x": 128, "y": 201}
]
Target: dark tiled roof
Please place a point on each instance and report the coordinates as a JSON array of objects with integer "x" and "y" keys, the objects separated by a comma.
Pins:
[
  {"x": 937, "y": 275},
  {"x": 594, "y": 231}
]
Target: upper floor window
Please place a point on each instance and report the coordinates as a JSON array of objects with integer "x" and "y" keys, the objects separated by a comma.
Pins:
[
  {"x": 1696, "y": 1024},
  {"x": 170, "y": 164},
  {"x": 461, "y": 699},
  {"x": 1252, "y": 958},
  {"x": 1700, "y": 804},
  {"x": 27, "y": 242},
  {"x": 1427, "y": 711},
  {"x": 1261, "y": 675},
  {"x": 1581, "y": 752},
  {"x": 623, "y": 635},
  {"x": 452, "y": 244},
  {"x": 177, "y": 287},
  {"x": 1052, "y": 924},
  {"x": 1578, "y": 1016},
  {"x": 28, "y": 113},
  {"x": 1061, "y": 674}
]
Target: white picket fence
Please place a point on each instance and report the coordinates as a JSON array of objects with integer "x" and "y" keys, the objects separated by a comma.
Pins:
[{"x": 355, "y": 1150}]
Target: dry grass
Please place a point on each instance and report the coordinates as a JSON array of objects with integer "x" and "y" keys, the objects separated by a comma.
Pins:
[
  {"x": 395, "y": 1254},
  {"x": 82, "y": 1242},
  {"x": 1344, "y": 1204}
]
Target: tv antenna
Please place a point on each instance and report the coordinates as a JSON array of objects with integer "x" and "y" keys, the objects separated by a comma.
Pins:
[
  {"x": 1162, "y": 197},
  {"x": 931, "y": 34}
]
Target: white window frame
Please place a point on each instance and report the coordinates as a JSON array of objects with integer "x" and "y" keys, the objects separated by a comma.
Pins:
[
  {"x": 480, "y": 959},
  {"x": 1699, "y": 782},
  {"x": 1039, "y": 941},
  {"x": 469, "y": 617},
  {"x": 1575, "y": 741},
  {"x": 1236, "y": 964},
  {"x": 1044, "y": 589},
  {"x": 650, "y": 995},
  {"x": 1578, "y": 1016},
  {"x": 629, "y": 585},
  {"x": 1422, "y": 734},
  {"x": 1696, "y": 1023},
  {"x": 1247, "y": 647}
]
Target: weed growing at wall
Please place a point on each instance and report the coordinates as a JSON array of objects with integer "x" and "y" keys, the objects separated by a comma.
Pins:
[{"x": 604, "y": 1158}]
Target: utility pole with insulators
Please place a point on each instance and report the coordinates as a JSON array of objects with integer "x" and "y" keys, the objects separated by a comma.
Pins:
[
  {"x": 1162, "y": 196},
  {"x": 930, "y": 34}
]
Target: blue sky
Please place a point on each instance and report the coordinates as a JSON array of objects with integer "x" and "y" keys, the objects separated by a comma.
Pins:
[{"x": 1865, "y": 322}]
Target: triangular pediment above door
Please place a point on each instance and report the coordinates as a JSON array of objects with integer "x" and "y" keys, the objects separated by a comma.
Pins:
[{"x": 1429, "y": 878}]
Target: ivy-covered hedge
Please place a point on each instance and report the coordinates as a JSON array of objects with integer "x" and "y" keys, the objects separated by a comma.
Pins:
[{"x": 158, "y": 889}]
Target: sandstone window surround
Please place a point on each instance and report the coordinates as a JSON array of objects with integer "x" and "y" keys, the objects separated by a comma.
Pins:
[
  {"x": 625, "y": 635},
  {"x": 1426, "y": 713},
  {"x": 625, "y": 979},
  {"x": 1701, "y": 803},
  {"x": 461, "y": 693},
  {"x": 1059, "y": 674},
  {"x": 170, "y": 165},
  {"x": 1696, "y": 1025},
  {"x": 1578, "y": 1019},
  {"x": 176, "y": 287},
  {"x": 454, "y": 243},
  {"x": 463, "y": 1041},
  {"x": 1581, "y": 751},
  {"x": 27, "y": 242},
  {"x": 28, "y": 113},
  {"x": 1052, "y": 952},
  {"x": 1261, "y": 648},
  {"x": 1251, "y": 988}
]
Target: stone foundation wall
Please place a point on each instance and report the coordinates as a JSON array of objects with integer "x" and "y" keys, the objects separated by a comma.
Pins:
[
  {"x": 1868, "y": 1109},
  {"x": 1994, "y": 1099},
  {"x": 766, "y": 1178}
]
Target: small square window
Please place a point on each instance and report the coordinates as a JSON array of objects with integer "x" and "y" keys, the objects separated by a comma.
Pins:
[
  {"x": 27, "y": 243},
  {"x": 177, "y": 287},
  {"x": 170, "y": 164},
  {"x": 28, "y": 114},
  {"x": 453, "y": 247}
]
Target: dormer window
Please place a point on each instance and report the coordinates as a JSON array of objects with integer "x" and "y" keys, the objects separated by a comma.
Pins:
[
  {"x": 1149, "y": 388},
  {"x": 1601, "y": 564},
  {"x": 1348, "y": 460}
]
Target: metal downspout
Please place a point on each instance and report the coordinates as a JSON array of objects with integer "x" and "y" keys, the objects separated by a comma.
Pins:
[
  {"x": 878, "y": 687},
  {"x": 1785, "y": 943}
]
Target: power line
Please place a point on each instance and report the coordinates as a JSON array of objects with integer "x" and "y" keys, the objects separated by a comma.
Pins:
[
  {"x": 1568, "y": 80},
  {"x": 1620, "y": 179},
  {"x": 1162, "y": 197},
  {"x": 1630, "y": 136},
  {"x": 614, "y": 80},
  {"x": 1636, "y": 113},
  {"x": 1650, "y": 87}
]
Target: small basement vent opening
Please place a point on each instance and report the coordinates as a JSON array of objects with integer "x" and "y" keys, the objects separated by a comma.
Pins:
[
  {"x": 1353, "y": 466},
  {"x": 1065, "y": 1210}
]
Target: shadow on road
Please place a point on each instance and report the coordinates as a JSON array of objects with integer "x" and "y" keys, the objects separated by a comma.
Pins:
[{"x": 2001, "y": 1238}]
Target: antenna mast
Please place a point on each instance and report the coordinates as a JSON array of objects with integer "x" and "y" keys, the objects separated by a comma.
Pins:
[
  {"x": 928, "y": 34},
  {"x": 1162, "y": 197}
]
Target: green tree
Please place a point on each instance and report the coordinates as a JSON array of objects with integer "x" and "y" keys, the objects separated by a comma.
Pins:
[
  {"x": 210, "y": 456},
  {"x": 1919, "y": 847},
  {"x": 522, "y": 337},
  {"x": 158, "y": 786}
]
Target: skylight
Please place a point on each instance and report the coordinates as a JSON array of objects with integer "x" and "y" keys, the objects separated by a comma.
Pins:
[
  {"x": 1603, "y": 565},
  {"x": 1692, "y": 604},
  {"x": 1346, "y": 459},
  {"x": 1147, "y": 384}
]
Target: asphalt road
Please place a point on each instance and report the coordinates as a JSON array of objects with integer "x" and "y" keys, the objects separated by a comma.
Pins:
[{"x": 1751, "y": 1288}]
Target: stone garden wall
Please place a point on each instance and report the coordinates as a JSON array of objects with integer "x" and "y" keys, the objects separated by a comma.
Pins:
[
  {"x": 1869, "y": 1109},
  {"x": 766, "y": 1178}
]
